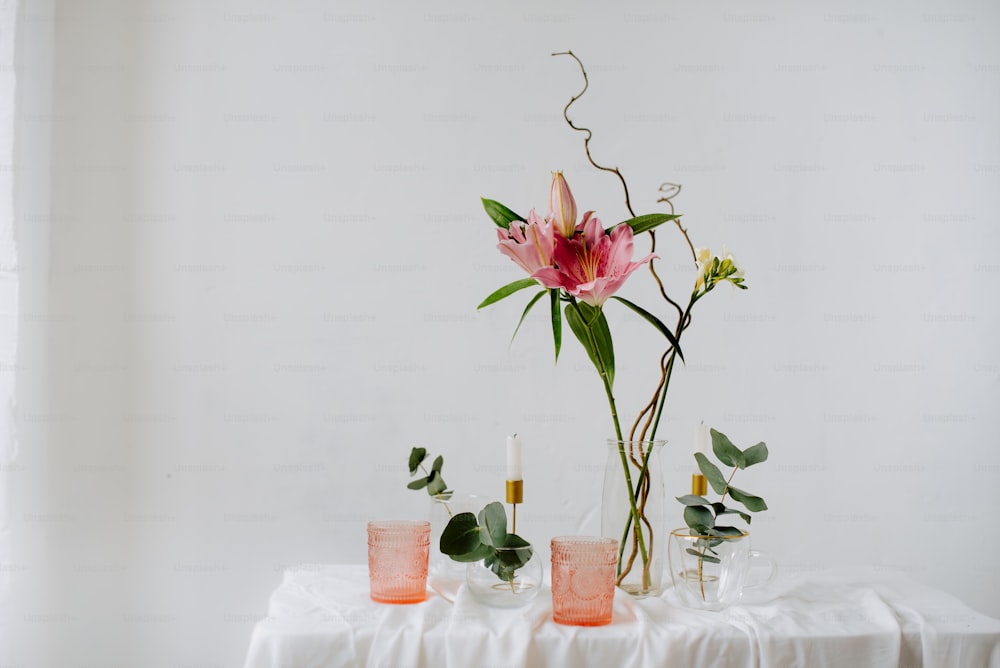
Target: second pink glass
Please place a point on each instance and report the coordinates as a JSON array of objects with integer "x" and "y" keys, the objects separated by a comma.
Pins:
[
  {"x": 397, "y": 560},
  {"x": 583, "y": 580}
]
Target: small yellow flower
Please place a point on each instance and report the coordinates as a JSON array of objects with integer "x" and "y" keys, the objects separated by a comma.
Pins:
[{"x": 703, "y": 265}]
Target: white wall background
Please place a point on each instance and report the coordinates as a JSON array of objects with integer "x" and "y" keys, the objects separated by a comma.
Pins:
[{"x": 253, "y": 286}]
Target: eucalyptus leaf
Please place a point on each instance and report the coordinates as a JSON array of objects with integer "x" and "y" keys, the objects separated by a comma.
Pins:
[
  {"x": 724, "y": 449},
  {"x": 516, "y": 555},
  {"x": 724, "y": 531},
  {"x": 753, "y": 503},
  {"x": 493, "y": 524},
  {"x": 514, "y": 541},
  {"x": 711, "y": 472},
  {"x": 723, "y": 510},
  {"x": 420, "y": 483},
  {"x": 438, "y": 463},
  {"x": 709, "y": 543},
  {"x": 504, "y": 571},
  {"x": 481, "y": 552},
  {"x": 417, "y": 456},
  {"x": 507, "y": 291},
  {"x": 460, "y": 536},
  {"x": 499, "y": 214},
  {"x": 693, "y": 500},
  {"x": 706, "y": 557},
  {"x": 699, "y": 518},
  {"x": 654, "y": 321},
  {"x": 436, "y": 484},
  {"x": 755, "y": 454}
]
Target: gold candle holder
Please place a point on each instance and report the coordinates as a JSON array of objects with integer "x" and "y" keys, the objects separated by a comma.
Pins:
[
  {"x": 699, "y": 484},
  {"x": 515, "y": 495}
]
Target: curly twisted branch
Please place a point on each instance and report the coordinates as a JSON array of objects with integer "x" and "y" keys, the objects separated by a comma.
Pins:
[{"x": 586, "y": 142}]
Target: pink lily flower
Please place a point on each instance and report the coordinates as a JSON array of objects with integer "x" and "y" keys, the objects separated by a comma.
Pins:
[
  {"x": 591, "y": 265},
  {"x": 530, "y": 244},
  {"x": 562, "y": 206}
]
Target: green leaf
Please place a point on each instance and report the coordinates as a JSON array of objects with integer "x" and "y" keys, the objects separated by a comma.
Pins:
[
  {"x": 512, "y": 540},
  {"x": 436, "y": 484},
  {"x": 707, "y": 557},
  {"x": 594, "y": 318},
  {"x": 527, "y": 308},
  {"x": 753, "y": 503},
  {"x": 481, "y": 552},
  {"x": 508, "y": 560},
  {"x": 724, "y": 531},
  {"x": 709, "y": 543},
  {"x": 499, "y": 214},
  {"x": 655, "y": 322},
  {"x": 699, "y": 518},
  {"x": 507, "y": 291},
  {"x": 418, "y": 484},
  {"x": 722, "y": 510},
  {"x": 711, "y": 472},
  {"x": 493, "y": 524},
  {"x": 583, "y": 335},
  {"x": 438, "y": 463},
  {"x": 755, "y": 454},
  {"x": 417, "y": 456},
  {"x": 556, "y": 320},
  {"x": 516, "y": 553},
  {"x": 724, "y": 449},
  {"x": 647, "y": 222},
  {"x": 503, "y": 570},
  {"x": 693, "y": 500},
  {"x": 460, "y": 535}
]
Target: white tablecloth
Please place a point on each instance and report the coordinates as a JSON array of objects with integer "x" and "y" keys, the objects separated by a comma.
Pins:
[{"x": 321, "y": 616}]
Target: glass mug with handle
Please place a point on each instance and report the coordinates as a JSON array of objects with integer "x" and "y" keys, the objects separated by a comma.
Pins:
[{"x": 711, "y": 572}]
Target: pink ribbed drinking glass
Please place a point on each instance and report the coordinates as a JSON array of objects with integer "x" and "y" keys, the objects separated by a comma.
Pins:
[
  {"x": 397, "y": 560},
  {"x": 583, "y": 580}
]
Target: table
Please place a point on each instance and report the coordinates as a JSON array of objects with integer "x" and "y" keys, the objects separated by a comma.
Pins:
[{"x": 321, "y": 616}]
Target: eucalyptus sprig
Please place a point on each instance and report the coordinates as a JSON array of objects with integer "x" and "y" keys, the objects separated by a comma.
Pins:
[
  {"x": 468, "y": 539},
  {"x": 702, "y": 515},
  {"x": 432, "y": 480}
]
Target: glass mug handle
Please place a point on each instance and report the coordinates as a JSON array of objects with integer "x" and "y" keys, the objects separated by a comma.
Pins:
[{"x": 757, "y": 554}]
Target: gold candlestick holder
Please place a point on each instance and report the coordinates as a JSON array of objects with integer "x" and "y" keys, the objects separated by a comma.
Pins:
[
  {"x": 699, "y": 484},
  {"x": 515, "y": 495}
]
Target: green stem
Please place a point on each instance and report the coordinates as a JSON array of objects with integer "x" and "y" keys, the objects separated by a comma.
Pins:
[
  {"x": 701, "y": 558},
  {"x": 447, "y": 506},
  {"x": 682, "y": 324},
  {"x": 633, "y": 508},
  {"x": 726, "y": 490},
  {"x": 628, "y": 522},
  {"x": 701, "y": 569}
]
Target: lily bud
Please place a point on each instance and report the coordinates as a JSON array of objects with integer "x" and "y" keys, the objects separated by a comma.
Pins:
[{"x": 562, "y": 206}]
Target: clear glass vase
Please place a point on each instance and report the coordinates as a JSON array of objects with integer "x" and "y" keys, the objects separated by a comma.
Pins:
[
  {"x": 633, "y": 512},
  {"x": 487, "y": 588},
  {"x": 446, "y": 575}
]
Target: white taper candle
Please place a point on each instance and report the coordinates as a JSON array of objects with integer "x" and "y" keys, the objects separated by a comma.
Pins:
[{"x": 514, "y": 458}]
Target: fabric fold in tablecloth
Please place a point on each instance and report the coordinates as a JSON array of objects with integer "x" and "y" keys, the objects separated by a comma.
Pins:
[{"x": 322, "y": 617}]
